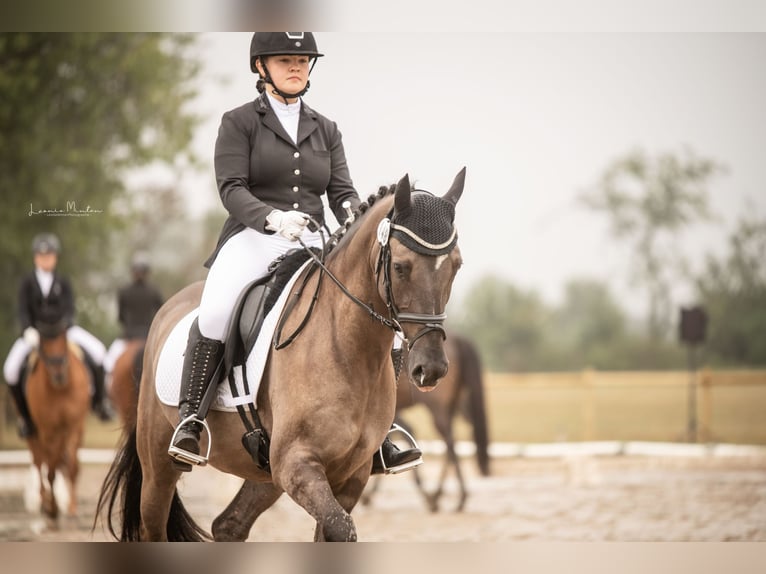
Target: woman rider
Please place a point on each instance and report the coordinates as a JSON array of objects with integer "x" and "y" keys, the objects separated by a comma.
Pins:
[{"x": 274, "y": 159}]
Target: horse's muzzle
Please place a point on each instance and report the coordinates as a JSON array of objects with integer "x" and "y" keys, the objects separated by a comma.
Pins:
[{"x": 425, "y": 374}]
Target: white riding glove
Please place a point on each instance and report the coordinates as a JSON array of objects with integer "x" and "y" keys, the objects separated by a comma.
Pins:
[
  {"x": 289, "y": 224},
  {"x": 31, "y": 337}
]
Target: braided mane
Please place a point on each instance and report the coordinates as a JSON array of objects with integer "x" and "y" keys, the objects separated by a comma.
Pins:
[{"x": 364, "y": 206}]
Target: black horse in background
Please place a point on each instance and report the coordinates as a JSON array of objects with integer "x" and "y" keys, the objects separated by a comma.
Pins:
[{"x": 460, "y": 392}]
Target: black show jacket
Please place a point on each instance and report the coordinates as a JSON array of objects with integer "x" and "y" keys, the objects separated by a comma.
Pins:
[{"x": 259, "y": 168}]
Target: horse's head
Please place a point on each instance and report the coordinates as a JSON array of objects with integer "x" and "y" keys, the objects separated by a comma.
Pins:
[
  {"x": 53, "y": 350},
  {"x": 419, "y": 259}
]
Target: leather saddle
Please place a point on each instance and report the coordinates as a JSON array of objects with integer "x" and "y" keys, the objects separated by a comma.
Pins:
[
  {"x": 252, "y": 306},
  {"x": 254, "y": 303}
]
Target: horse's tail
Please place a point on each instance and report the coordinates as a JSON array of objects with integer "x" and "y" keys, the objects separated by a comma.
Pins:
[
  {"x": 472, "y": 381},
  {"x": 124, "y": 481},
  {"x": 138, "y": 367}
]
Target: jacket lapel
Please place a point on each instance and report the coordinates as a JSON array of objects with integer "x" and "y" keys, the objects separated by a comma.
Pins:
[
  {"x": 307, "y": 124},
  {"x": 36, "y": 286},
  {"x": 270, "y": 119}
]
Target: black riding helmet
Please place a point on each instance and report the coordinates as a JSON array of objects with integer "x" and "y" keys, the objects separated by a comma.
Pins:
[
  {"x": 283, "y": 43},
  {"x": 140, "y": 262},
  {"x": 46, "y": 243}
]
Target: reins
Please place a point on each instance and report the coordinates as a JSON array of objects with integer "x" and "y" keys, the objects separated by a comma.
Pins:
[{"x": 430, "y": 322}]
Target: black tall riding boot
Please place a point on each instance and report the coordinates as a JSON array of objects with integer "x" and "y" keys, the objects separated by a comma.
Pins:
[
  {"x": 26, "y": 426},
  {"x": 201, "y": 361},
  {"x": 99, "y": 401},
  {"x": 389, "y": 459}
]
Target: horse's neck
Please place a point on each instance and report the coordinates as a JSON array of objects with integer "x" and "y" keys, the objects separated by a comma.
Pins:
[{"x": 354, "y": 266}]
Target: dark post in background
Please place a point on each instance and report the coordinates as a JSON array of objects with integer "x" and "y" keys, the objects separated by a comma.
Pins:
[{"x": 693, "y": 328}]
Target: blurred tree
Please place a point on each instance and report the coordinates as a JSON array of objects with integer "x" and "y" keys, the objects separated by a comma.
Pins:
[
  {"x": 649, "y": 201},
  {"x": 516, "y": 331},
  {"x": 732, "y": 289},
  {"x": 505, "y": 323},
  {"x": 588, "y": 324},
  {"x": 78, "y": 111},
  {"x": 159, "y": 226}
]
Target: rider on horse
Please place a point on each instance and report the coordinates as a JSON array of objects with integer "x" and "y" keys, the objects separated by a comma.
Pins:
[
  {"x": 137, "y": 303},
  {"x": 47, "y": 296},
  {"x": 274, "y": 159}
]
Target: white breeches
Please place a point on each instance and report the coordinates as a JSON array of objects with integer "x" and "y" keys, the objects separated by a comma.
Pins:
[
  {"x": 16, "y": 356},
  {"x": 76, "y": 334},
  {"x": 242, "y": 259},
  {"x": 116, "y": 349}
]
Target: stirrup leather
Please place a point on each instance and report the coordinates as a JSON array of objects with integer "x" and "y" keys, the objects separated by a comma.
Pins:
[
  {"x": 407, "y": 465},
  {"x": 184, "y": 455}
]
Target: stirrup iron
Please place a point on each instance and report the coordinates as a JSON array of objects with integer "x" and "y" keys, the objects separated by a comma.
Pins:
[
  {"x": 407, "y": 465},
  {"x": 185, "y": 456}
]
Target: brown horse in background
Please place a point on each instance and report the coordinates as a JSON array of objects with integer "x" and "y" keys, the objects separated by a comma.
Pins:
[
  {"x": 326, "y": 400},
  {"x": 126, "y": 376},
  {"x": 58, "y": 395},
  {"x": 461, "y": 391}
]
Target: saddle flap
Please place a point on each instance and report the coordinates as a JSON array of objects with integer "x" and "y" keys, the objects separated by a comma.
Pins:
[{"x": 254, "y": 303}]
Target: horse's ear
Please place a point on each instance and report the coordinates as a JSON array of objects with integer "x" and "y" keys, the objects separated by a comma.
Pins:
[
  {"x": 402, "y": 199},
  {"x": 456, "y": 190}
]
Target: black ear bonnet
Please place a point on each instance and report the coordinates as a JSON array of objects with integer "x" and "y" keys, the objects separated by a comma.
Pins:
[{"x": 427, "y": 226}]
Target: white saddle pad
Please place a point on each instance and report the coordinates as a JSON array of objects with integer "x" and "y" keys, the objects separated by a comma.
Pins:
[{"x": 168, "y": 376}]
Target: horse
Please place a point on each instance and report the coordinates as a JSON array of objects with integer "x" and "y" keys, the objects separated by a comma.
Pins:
[
  {"x": 461, "y": 390},
  {"x": 326, "y": 399},
  {"x": 58, "y": 395},
  {"x": 126, "y": 376}
]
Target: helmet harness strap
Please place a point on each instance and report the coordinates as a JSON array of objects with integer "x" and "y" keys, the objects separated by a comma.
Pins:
[{"x": 279, "y": 92}]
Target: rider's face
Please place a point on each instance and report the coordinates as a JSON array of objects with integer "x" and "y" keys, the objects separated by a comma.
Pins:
[
  {"x": 289, "y": 73},
  {"x": 46, "y": 261}
]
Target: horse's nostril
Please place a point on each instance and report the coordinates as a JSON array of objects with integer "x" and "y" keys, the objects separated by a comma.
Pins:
[
  {"x": 418, "y": 375},
  {"x": 426, "y": 378}
]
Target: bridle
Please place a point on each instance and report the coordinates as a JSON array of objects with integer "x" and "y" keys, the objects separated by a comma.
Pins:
[
  {"x": 55, "y": 365},
  {"x": 430, "y": 321}
]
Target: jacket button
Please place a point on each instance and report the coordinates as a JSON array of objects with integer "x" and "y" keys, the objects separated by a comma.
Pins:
[
  {"x": 297, "y": 154},
  {"x": 296, "y": 188},
  {"x": 296, "y": 205},
  {"x": 297, "y": 172}
]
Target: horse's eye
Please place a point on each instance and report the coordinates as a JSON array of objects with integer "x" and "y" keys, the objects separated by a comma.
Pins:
[{"x": 401, "y": 270}]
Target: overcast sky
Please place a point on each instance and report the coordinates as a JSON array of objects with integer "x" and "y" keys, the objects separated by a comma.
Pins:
[{"x": 536, "y": 118}]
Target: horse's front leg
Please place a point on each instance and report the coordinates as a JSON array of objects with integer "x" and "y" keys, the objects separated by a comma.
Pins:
[
  {"x": 305, "y": 481},
  {"x": 237, "y": 519},
  {"x": 348, "y": 495},
  {"x": 71, "y": 483},
  {"x": 72, "y": 466},
  {"x": 47, "y": 495}
]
